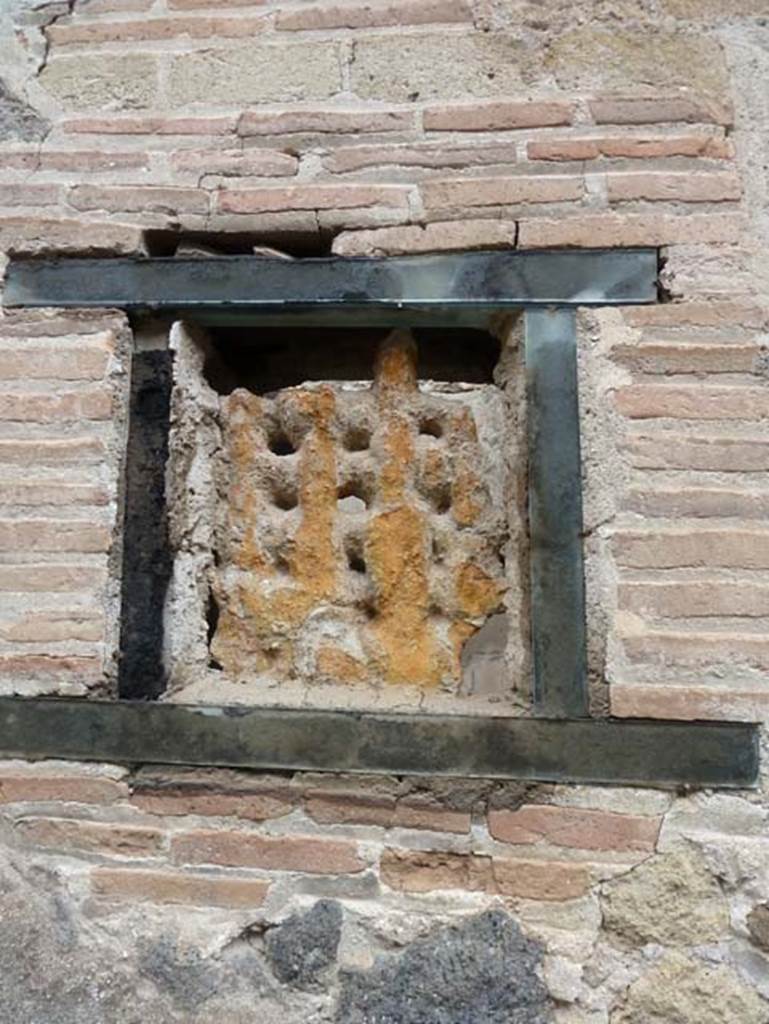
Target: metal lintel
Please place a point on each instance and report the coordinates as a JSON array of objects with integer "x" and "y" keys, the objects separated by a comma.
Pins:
[
  {"x": 627, "y": 752},
  {"x": 476, "y": 280},
  {"x": 555, "y": 514}
]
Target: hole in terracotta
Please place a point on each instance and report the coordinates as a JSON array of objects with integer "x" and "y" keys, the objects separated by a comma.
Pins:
[
  {"x": 431, "y": 427},
  {"x": 357, "y": 439},
  {"x": 284, "y": 495},
  {"x": 279, "y": 443},
  {"x": 353, "y": 496},
  {"x": 353, "y": 549}
]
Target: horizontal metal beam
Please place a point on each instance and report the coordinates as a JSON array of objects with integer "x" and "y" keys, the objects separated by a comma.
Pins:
[
  {"x": 477, "y": 280},
  {"x": 627, "y": 752}
]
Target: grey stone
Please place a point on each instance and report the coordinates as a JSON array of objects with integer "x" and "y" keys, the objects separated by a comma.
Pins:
[
  {"x": 482, "y": 971},
  {"x": 49, "y": 971},
  {"x": 758, "y": 926},
  {"x": 57, "y": 968},
  {"x": 483, "y": 658},
  {"x": 304, "y": 946},
  {"x": 18, "y": 120}
]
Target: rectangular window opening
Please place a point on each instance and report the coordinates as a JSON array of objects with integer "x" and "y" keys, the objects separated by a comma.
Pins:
[{"x": 345, "y": 520}]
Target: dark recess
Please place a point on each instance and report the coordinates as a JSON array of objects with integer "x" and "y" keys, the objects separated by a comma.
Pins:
[
  {"x": 265, "y": 359},
  {"x": 146, "y": 554},
  {"x": 239, "y": 243}
]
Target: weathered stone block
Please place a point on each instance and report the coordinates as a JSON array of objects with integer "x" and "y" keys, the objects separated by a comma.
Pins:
[
  {"x": 481, "y": 970},
  {"x": 600, "y": 57},
  {"x": 425, "y": 67},
  {"x": 17, "y": 119},
  {"x": 671, "y": 900},
  {"x": 256, "y": 73},
  {"x": 303, "y": 948},
  {"x": 116, "y": 82},
  {"x": 682, "y": 990}
]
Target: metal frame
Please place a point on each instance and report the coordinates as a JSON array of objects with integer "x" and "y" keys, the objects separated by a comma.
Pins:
[
  {"x": 561, "y": 743},
  {"x": 555, "y": 750}
]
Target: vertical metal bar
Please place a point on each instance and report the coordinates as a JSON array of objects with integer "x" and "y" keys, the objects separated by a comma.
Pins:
[
  {"x": 555, "y": 514},
  {"x": 147, "y": 556}
]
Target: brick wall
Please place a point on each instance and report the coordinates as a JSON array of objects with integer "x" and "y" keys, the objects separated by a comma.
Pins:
[{"x": 385, "y": 127}]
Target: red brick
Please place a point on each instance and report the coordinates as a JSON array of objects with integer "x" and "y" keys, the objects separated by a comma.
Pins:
[
  {"x": 370, "y": 15},
  {"x": 152, "y": 29},
  {"x": 496, "y": 115},
  {"x": 46, "y": 323},
  {"x": 115, "y": 6},
  {"x": 508, "y": 191},
  {"x": 254, "y": 162},
  {"x": 82, "y": 161},
  {"x": 439, "y": 236},
  {"x": 697, "y": 314},
  {"x": 20, "y": 160},
  {"x": 63, "y": 406},
  {"x": 630, "y": 147},
  {"x": 694, "y": 600},
  {"x": 692, "y": 402},
  {"x": 540, "y": 880},
  {"x": 62, "y": 362},
  {"x": 667, "y": 185},
  {"x": 29, "y": 195},
  {"x": 138, "y": 886},
  {"x": 77, "y": 450},
  {"x": 138, "y": 199},
  {"x": 681, "y": 548},
  {"x": 422, "y": 813},
  {"x": 32, "y": 235},
  {"x": 272, "y": 853},
  {"x": 693, "y": 703},
  {"x": 698, "y": 502},
  {"x": 661, "y": 647},
  {"x": 429, "y": 871},
  {"x": 721, "y": 454},
  {"x": 93, "y": 161},
  {"x": 350, "y": 808},
  {"x": 311, "y": 197},
  {"x": 422, "y": 871},
  {"x": 37, "y": 666},
  {"x": 27, "y": 578},
  {"x": 689, "y": 109},
  {"x": 52, "y": 492},
  {"x": 39, "y": 627},
  {"x": 212, "y": 792},
  {"x": 325, "y": 121},
  {"x": 75, "y": 789},
  {"x": 677, "y": 357},
  {"x": 194, "y": 5},
  {"x": 91, "y": 837},
  {"x": 53, "y": 535},
  {"x": 426, "y": 154},
  {"x": 576, "y": 827},
  {"x": 117, "y": 125},
  {"x": 630, "y": 229}
]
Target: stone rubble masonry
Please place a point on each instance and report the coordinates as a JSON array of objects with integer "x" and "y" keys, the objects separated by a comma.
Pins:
[{"x": 390, "y": 127}]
